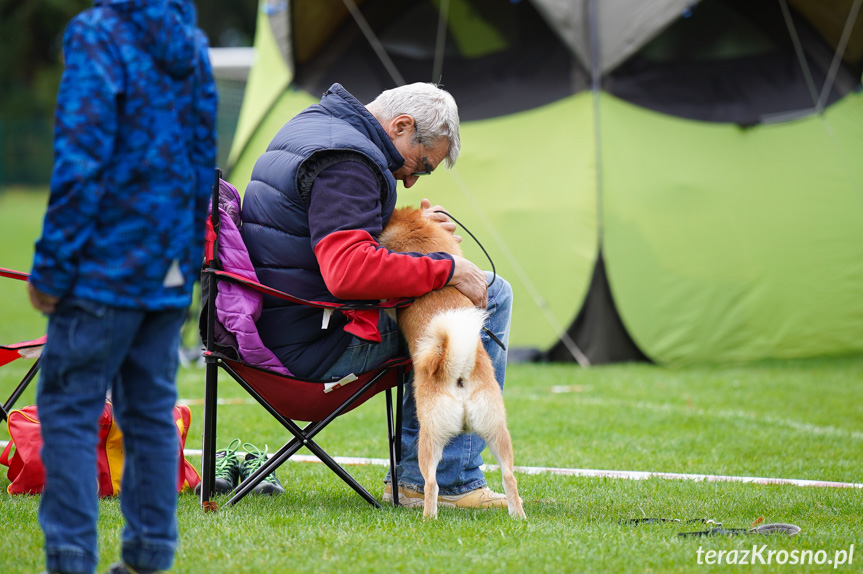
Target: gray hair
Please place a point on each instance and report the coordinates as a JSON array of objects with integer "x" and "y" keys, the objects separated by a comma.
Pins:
[{"x": 433, "y": 109}]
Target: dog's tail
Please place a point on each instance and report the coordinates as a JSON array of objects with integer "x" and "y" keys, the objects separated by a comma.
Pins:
[{"x": 448, "y": 349}]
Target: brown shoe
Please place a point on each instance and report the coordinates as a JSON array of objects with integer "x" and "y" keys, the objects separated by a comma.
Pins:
[
  {"x": 407, "y": 497},
  {"x": 482, "y": 497}
]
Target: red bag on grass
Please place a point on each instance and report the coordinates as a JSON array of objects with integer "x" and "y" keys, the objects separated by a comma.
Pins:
[{"x": 27, "y": 475}]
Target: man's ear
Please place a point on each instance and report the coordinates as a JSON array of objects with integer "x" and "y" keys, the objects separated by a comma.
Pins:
[{"x": 400, "y": 125}]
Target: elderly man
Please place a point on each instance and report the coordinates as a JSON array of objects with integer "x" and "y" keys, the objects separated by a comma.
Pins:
[{"x": 318, "y": 199}]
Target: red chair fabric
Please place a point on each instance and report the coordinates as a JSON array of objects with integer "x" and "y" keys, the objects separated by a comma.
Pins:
[
  {"x": 22, "y": 350},
  {"x": 308, "y": 400},
  {"x": 31, "y": 349}
]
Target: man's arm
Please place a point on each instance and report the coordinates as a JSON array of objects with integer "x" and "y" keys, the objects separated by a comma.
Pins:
[{"x": 344, "y": 220}]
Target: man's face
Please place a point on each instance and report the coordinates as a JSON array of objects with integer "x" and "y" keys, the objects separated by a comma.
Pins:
[{"x": 419, "y": 158}]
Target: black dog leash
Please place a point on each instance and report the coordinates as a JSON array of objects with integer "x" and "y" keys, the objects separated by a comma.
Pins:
[
  {"x": 774, "y": 528},
  {"x": 493, "y": 270},
  {"x": 637, "y": 521},
  {"x": 717, "y": 529}
]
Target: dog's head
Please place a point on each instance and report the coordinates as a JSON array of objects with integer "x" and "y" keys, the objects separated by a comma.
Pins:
[{"x": 409, "y": 231}]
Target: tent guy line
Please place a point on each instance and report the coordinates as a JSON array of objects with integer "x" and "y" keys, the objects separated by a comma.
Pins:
[
  {"x": 522, "y": 275},
  {"x": 375, "y": 43},
  {"x": 839, "y": 53}
]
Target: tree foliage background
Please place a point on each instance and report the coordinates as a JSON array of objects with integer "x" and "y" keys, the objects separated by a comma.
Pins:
[
  {"x": 31, "y": 64},
  {"x": 32, "y": 32}
]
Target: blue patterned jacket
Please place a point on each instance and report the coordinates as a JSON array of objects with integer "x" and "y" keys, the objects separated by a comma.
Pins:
[{"x": 134, "y": 148}]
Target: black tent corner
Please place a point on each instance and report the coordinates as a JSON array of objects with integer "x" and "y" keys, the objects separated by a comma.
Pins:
[{"x": 598, "y": 330}]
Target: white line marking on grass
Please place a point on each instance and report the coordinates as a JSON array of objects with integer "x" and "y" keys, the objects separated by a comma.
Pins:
[
  {"x": 622, "y": 474},
  {"x": 561, "y": 389}
]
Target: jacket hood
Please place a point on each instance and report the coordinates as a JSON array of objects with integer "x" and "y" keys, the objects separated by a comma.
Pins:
[{"x": 166, "y": 30}]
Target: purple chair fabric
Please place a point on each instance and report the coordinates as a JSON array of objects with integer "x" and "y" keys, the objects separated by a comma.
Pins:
[{"x": 237, "y": 306}]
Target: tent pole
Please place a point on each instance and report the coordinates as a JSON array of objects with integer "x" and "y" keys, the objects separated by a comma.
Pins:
[
  {"x": 840, "y": 52},
  {"x": 801, "y": 57},
  {"x": 440, "y": 43},
  {"x": 592, "y": 7},
  {"x": 374, "y": 42},
  {"x": 520, "y": 272}
]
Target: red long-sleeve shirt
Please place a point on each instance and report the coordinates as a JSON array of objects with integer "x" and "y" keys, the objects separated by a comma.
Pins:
[{"x": 344, "y": 221}]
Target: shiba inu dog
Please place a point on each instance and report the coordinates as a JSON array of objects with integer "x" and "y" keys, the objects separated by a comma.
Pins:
[{"x": 454, "y": 382}]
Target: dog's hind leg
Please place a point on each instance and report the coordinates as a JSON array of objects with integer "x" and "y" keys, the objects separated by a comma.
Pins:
[
  {"x": 429, "y": 455},
  {"x": 500, "y": 444},
  {"x": 487, "y": 417}
]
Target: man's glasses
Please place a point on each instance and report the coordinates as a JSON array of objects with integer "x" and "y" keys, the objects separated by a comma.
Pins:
[{"x": 427, "y": 169}]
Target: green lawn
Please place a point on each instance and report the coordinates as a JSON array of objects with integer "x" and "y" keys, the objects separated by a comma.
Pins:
[{"x": 792, "y": 419}]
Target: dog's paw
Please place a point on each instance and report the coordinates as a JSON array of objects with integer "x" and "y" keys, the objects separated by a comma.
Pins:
[{"x": 517, "y": 510}]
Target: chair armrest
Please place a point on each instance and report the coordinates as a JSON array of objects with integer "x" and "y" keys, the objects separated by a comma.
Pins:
[
  {"x": 260, "y": 287},
  {"x": 12, "y": 274}
]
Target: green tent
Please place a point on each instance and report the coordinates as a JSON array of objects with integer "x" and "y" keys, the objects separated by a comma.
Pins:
[{"x": 664, "y": 180}]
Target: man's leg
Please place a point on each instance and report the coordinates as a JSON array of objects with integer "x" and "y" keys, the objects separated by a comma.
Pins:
[
  {"x": 500, "y": 316},
  {"x": 79, "y": 361},
  {"x": 362, "y": 356},
  {"x": 144, "y": 398},
  {"x": 458, "y": 471}
]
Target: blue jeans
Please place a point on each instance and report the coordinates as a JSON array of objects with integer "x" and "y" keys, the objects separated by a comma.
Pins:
[
  {"x": 458, "y": 471},
  {"x": 92, "y": 348}
]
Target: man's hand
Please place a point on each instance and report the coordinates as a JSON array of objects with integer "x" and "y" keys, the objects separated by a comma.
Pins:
[
  {"x": 42, "y": 301},
  {"x": 470, "y": 280},
  {"x": 431, "y": 213}
]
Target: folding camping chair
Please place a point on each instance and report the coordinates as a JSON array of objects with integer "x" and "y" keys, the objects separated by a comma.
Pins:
[
  {"x": 286, "y": 397},
  {"x": 25, "y": 349}
]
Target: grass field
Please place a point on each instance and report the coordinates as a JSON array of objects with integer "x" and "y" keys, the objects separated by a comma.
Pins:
[{"x": 791, "y": 419}]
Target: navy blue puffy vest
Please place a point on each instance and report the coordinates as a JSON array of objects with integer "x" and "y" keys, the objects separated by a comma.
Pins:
[{"x": 276, "y": 228}]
